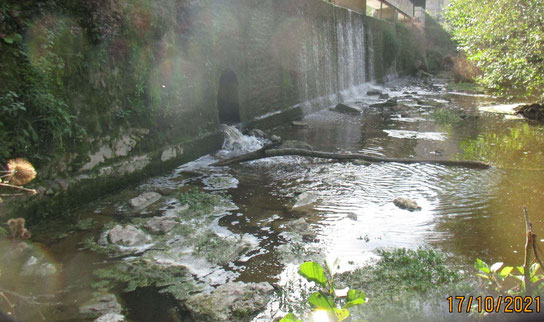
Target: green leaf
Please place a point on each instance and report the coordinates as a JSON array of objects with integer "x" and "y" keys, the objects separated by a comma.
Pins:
[
  {"x": 506, "y": 271},
  {"x": 355, "y": 297},
  {"x": 290, "y": 318},
  {"x": 341, "y": 314},
  {"x": 312, "y": 271},
  {"x": 356, "y": 294},
  {"x": 483, "y": 276},
  {"x": 482, "y": 266},
  {"x": 321, "y": 301}
]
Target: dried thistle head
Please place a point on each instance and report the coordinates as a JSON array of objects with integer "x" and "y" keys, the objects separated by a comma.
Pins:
[
  {"x": 17, "y": 229},
  {"x": 26, "y": 234},
  {"x": 21, "y": 172}
]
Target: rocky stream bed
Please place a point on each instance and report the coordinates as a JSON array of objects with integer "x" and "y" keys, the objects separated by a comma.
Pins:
[{"x": 223, "y": 243}]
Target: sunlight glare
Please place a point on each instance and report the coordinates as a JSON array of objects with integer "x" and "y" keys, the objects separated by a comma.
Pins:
[{"x": 320, "y": 316}]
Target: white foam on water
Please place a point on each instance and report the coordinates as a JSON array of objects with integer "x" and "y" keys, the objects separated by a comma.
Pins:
[{"x": 404, "y": 134}]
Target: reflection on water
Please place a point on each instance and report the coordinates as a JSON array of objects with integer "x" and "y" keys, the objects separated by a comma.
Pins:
[{"x": 513, "y": 145}]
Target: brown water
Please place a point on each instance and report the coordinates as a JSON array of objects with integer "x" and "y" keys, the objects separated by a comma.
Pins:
[{"x": 468, "y": 213}]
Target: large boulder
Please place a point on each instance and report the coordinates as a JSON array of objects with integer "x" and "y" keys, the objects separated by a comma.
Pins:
[
  {"x": 347, "y": 109},
  {"x": 234, "y": 301},
  {"x": 128, "y": 236}
]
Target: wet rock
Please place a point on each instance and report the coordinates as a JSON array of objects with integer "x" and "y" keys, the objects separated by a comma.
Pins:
[
  {"x": 258, "y": 133},
  {"x": 160, "y": 225},
  {"x": 220, "y": 182},
  {"x": 303, "y": 228},
  {"x": 234, "y": 301},
  {"x": 122, "y": 168},
  {"x": 111, "y": 317},
  {"x": 389, "y": 103},
  {"x": 294, "y": 144},
  {"x": 171, "y": 153},
  {"x": 405, "y": 203},
  {"x": 347, "y": 109},
  {"x": 305, "y": 198},
  {"x": 101, "y": 306},
  {"x": 373, "y": 92},
  {"x": 166, "y": 191},
  {"x": 300, "y": 124},
  {"x": 144, "y": 200},
  {"x": 531, "y": 112},
  {"x": 35, "y": 267},
  {"x": 384, "y": 96},
  {"x": 127, "y": 236}
]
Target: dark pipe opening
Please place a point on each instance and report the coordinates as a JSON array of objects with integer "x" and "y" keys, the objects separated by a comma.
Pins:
[{"x": 227, "y": 98}]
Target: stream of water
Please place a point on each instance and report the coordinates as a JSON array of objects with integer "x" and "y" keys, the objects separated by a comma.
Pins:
[{"x": 347, "y": 208}]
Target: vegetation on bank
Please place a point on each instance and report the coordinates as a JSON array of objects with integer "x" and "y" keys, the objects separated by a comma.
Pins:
[
  {"x": 504, "y": 39},
  {"x": 75, "y": 71}
]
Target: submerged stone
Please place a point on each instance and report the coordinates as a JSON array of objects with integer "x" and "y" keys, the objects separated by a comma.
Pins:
[
  {"x": 127, "y": 236},
  {"x": 347, "y": 109},
  {"x": 234, "y": 301},
  {"x": 405, "y": 203},
  {"x": 160, "y": 224},
  {"x": 101, "y": 306},
  {"x": 305, "y": 198},
  {"x": 303, "y": 228},
  {"x": 144, "y": 200},
  {"x": 35, "y": 267}
]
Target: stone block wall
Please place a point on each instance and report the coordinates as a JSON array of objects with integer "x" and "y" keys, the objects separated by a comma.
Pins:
[{"x": 266, "y": 57}]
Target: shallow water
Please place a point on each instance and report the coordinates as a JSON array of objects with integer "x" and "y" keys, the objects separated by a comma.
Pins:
[{"x": 468, "y": 213}]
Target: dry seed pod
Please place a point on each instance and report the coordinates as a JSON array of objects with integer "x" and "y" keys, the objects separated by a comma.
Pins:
[{"x": 22, "y": 172}]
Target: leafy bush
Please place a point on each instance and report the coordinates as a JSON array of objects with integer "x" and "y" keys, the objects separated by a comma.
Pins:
[
  {"x": 463, "y": 69},
  {"x": 504, "y": 39}
]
